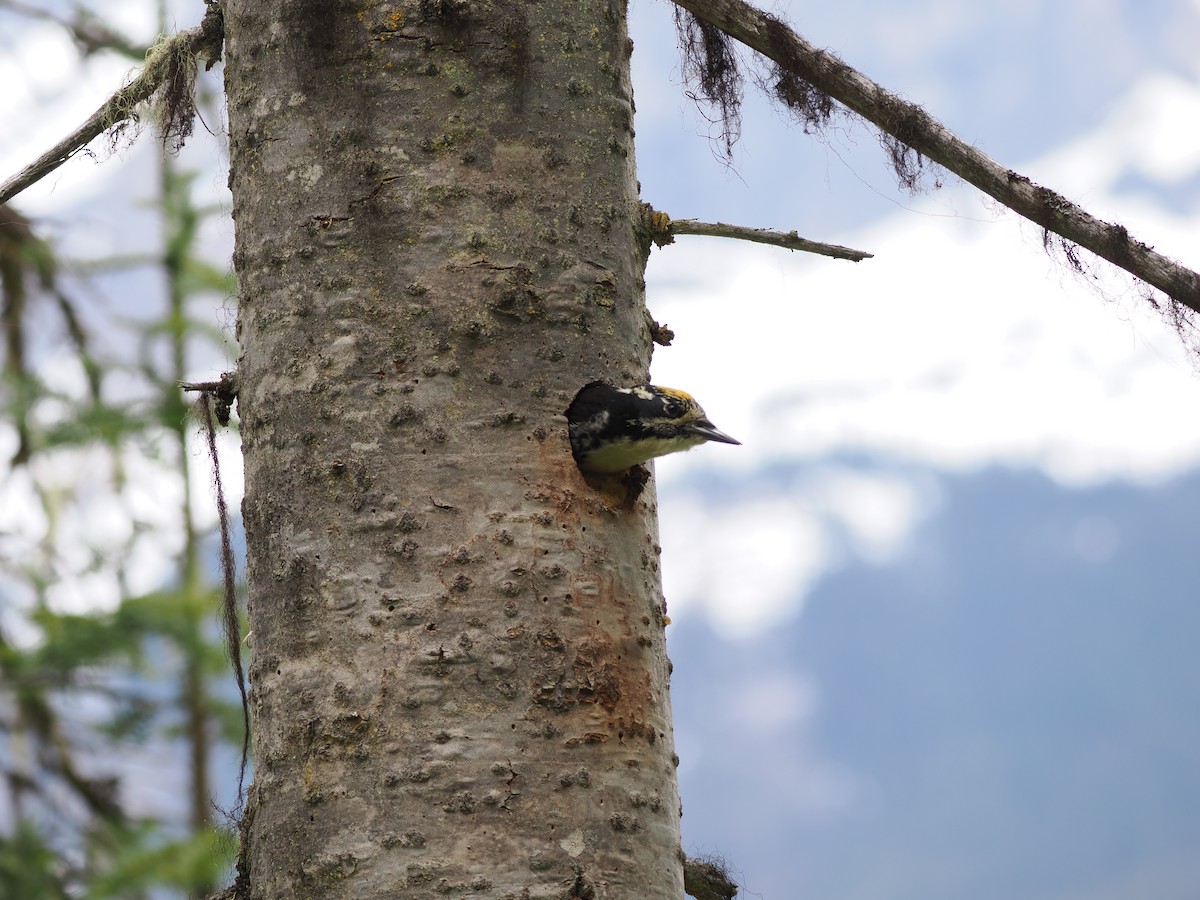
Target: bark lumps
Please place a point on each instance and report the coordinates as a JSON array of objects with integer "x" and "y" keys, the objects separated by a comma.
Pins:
[{"x": 418, "y": 311}]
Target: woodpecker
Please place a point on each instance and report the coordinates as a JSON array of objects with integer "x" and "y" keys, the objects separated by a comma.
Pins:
[{"x": 613, "y": 429}]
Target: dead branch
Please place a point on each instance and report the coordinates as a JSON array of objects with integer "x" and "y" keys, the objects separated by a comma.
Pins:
[
  {"x": 914, "y": 127},
  {"x": 662, "y": 230},
  {"x": 788, "y": 240}
]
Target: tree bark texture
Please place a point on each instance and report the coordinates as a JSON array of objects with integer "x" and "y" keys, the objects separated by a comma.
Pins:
[{"x": 459, "y": 676}]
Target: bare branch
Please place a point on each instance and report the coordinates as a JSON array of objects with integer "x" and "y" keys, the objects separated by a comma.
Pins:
[
  {"x": 914, "y": 127},
  {"x": 788, "y": 240},
  {"x": 662, "y": 230},
  {"x": 161, "y": 66}
]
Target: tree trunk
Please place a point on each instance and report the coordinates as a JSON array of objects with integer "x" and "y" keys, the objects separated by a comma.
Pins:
[{"x": 459, "y": 674}]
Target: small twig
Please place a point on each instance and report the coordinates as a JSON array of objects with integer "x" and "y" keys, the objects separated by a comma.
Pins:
[
  {"x": 205, "y": 39},
  {"x": 227, "y": 382},
  {"x": 224, "y": 392},
  {"x": 788, "y": 240},
  {"x": 663, "y": 229}
]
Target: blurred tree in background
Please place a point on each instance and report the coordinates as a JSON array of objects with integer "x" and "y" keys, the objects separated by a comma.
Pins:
[{"x": 101, "y": 472}]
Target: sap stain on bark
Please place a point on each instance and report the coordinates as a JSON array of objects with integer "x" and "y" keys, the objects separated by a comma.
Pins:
[{"x": 589, "y": 674}]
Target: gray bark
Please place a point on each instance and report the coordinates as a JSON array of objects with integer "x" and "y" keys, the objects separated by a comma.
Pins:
[{"x": 459, "y": 676}]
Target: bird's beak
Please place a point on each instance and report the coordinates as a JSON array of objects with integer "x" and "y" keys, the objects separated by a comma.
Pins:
[{"x": 707, "y": 431}]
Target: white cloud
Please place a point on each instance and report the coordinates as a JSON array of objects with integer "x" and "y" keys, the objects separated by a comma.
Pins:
[
  {"x": 778, "y": 701},
  {"x": 1154, "y": 129},
  {"x": 748, "y": 558},
  {"x": 879, "y": 513},
  {"x": 961, "y": 344},
  {"x": 747, "y": 563}
]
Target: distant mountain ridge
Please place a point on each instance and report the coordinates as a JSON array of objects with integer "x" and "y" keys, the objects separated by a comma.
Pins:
[{"x": 1011, "y": 709}]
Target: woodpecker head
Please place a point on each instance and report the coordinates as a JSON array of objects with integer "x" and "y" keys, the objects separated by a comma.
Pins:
[{"x": 612, "y": 429}]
